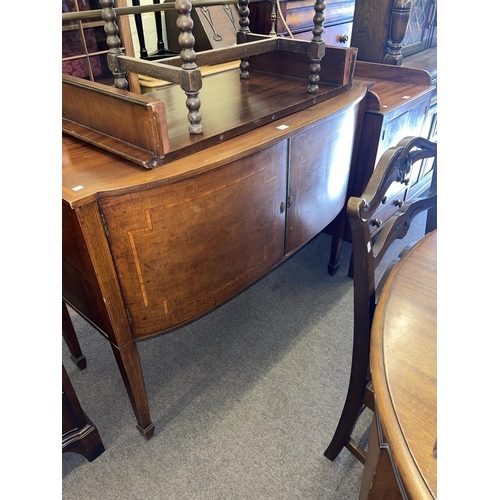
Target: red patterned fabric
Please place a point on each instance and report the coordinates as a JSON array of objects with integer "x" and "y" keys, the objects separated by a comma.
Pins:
[{"x": 72, "y": 45}]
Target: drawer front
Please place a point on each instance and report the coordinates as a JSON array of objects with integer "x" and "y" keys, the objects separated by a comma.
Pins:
[
  {"x": 337, "y": 36},
  {"x": 395, "y": 198},
  {"x": 299, "y": 14}
]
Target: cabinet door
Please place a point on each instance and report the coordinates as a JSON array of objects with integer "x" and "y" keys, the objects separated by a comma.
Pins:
[
  {"x": 421, "y": 32},
  {"x": 183, "y": 248},
  {"x": 320, "y": 161}
]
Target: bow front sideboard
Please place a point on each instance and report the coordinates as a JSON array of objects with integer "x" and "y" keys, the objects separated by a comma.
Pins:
[{"x": 148, "y": 250}]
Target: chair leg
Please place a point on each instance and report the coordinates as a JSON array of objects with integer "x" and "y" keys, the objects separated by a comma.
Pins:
[
  {"x": 140, "y": 31},
  {"x": 431, "y": 221},
  {"x": 71, "y": 339},
  {"x": 337, "y": 231},
  {"x": 353, "y": 406},
  {"x": 350, "y": 272},
  {"x": 347, "y": 421},
  {"x": 160, "y": 46}
]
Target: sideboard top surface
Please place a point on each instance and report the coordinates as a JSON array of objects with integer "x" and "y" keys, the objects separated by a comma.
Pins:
[{"x": 89, "y": 173}]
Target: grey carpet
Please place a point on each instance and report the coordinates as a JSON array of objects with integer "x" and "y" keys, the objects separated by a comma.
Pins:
[{"x": 245, "y": 399}]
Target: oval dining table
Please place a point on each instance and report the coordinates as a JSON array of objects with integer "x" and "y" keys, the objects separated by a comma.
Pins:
[{"x": 402, "y": 452}]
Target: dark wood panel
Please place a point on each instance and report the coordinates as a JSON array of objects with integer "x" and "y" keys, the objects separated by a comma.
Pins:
[
  {"x": 79, "y": 435},
  {"x": 370, "y": 29},
  {"x": 387, "y": 31},
  {"x": 337, "y": 68},
  {"x": 79, "y": 282}
]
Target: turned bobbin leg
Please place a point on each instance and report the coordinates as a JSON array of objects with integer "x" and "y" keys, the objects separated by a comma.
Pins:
[
  {"x": 244, "y": 12},
  {"x": 317, "y": 50},
  {"x": 114, "y": 44},
  {"x": 192, "y": 83}
]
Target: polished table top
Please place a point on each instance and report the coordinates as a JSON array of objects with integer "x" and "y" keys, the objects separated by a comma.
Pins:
[{"x": 404, "y": 366}]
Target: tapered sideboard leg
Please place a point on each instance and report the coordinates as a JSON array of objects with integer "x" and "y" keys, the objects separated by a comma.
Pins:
[
  {"x": 128, "y": 361},
  {"x": 114, "y": 316}
]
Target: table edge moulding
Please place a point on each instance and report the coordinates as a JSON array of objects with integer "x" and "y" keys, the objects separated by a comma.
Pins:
[{"x": 407, "y": 420}]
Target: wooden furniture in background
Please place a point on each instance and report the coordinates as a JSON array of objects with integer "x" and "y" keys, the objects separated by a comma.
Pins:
[
  {"x": 79, "y": 434},
  {"x": 404, "y": 431},
  {"x": 382, "y": 214},
  {"x": 298, "y": 16},
  {"x": 145, "y": 251},
  {"x": 403, "y": 33},
  {"x": 397, "y": 106},
  {"x": 395, "y": 33},
  {"x": 387, "y": 31},
  {"x": 427, "y": 60}
]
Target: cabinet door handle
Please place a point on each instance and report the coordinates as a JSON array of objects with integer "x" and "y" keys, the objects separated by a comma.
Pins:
[{"x": 343, "y": 38}]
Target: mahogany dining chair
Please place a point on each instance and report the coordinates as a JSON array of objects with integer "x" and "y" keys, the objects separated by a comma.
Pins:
[{"x": 381, "y": 215}]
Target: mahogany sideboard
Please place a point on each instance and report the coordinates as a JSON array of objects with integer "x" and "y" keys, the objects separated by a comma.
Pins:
[{"x": 146, "y": 251}]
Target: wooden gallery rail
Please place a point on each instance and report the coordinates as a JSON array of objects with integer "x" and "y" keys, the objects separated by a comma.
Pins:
[
  {"x": 95, "y": 113},
  {"x": 146, "y": 250}
]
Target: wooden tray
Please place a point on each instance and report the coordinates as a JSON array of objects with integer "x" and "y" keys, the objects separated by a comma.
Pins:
[{"x": 151, "y": 129}]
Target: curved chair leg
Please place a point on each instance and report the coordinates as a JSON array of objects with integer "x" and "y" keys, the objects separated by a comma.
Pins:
[
  {"x": 350, "y": 414},
  {"x": 353, "y": 406}
]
